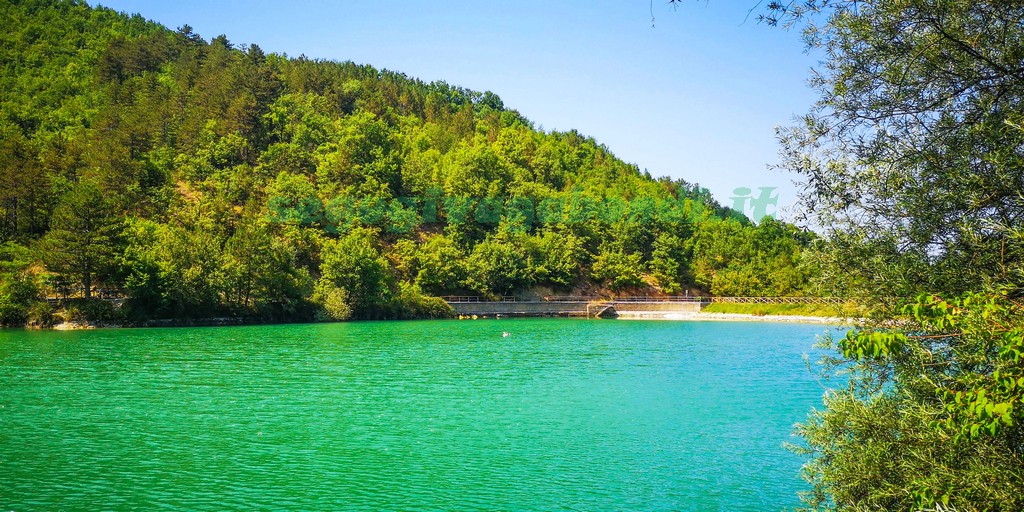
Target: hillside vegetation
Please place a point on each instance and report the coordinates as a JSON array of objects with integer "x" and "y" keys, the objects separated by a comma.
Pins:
[{"x": 202, "y": 178}]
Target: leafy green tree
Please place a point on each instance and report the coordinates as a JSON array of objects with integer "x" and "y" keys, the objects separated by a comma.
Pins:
[
  {"x": 142, "y": 270},
  {"x": 173, "y": 271},
  {"x": 669, "y": 262},
  {"x": 22, "y": 297},
  {"x": 617, "y": 268},
  {"x": 558, "y": 259},
  {"x": 83, "y": 237},
  {"x": 260, "y": 272},
  {"x": 499, "y": 265},
  {"x": 733, "y": 259},
  {"x": 411, "y": 302},
  {"x": 354, "y": 264},
  {"x": 719, "y": 245},
  {"x": 930, "y": 417},
  {"x": 292, "y": 199},
  {"x": 365, "y": 148},
  {"x": 911, "y": 160},
  {"x": 442, "y": 266},
  {"x": 915, "y": 138},
  {"x": 334, "y": 303}
]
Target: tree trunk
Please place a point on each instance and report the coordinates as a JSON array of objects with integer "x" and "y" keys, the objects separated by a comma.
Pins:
[{"x": 87, "y": 283}]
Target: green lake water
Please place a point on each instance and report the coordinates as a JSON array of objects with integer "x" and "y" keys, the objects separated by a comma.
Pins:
[{"x": 432, "y": 415}]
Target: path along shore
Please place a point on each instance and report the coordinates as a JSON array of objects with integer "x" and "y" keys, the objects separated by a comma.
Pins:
[{"x": 734, "y": 317}]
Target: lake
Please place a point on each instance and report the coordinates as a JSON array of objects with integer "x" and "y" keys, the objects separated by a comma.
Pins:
[{"x": 428, "y": 415}]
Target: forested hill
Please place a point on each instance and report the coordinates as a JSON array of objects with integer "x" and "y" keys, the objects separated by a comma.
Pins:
[{"x": 206, "y": 178}]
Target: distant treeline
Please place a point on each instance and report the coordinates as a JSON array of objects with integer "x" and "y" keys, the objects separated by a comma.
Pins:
[{"x": 199, "y": 178}]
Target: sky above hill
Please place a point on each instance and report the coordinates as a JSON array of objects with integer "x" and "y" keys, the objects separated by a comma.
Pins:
[{"x": 697, "y": 96}]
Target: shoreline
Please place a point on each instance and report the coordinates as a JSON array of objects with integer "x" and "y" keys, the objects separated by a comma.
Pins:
[
  {"x": 736, "y": 317},
  {"x": 626, "y": 315}
]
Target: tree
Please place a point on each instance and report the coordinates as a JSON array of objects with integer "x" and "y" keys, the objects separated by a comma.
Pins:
[
  {"x": 259, "y": 272},
  {"x": 916, "y": 137},
  {"x": 616, "y": 267},
  {"x": 83, "y": 236},
  {"x": 558, "y": 257},
  {"x": 913, "y": 161},
  {"x": 23, "y": 185},
  {"x": 354, "y": 264},
  {"x": 500, "y": 265},
  {"x": 669, "y": 262},
  {"x": 20, "y": 293},
  {"x": 364, "y": 149},
  {"x": 931, "y": 416},
  {"x": 441, "y": 266}
]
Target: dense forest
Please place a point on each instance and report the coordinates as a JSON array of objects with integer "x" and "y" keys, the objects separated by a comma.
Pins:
[{"x": 201, "y": 178}]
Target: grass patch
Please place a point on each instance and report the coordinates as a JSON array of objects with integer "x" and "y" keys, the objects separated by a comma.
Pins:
[{"x": 844, "y": 310}]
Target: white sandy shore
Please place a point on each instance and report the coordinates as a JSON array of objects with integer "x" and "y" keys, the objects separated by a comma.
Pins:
[{"x": 733, "y": 317}]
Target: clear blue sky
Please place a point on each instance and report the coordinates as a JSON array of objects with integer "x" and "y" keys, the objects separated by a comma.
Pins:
[{"x": 696, "y": 97}]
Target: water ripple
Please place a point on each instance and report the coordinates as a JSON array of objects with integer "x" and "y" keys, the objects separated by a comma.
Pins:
[{"x": 441, "y": 415}]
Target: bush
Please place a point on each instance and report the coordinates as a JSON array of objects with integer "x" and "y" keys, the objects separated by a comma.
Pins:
[
  {"x": 18, "y": 293},
  {"x": 412, "y": 303},
  {"x": 620, "y": 270},
  {"x": 40, "y": 314},
  {"x": 334, "y": 305},
  {"x": 929, "y": 417},
  {"x": 92, "y": 311}
]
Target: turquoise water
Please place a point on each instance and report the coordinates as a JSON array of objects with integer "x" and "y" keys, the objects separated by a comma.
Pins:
[{"x": 432, "y": 415}]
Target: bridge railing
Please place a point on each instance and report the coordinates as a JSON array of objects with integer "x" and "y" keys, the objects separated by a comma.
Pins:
[
  {"x": 594, "y": 298},
  {"x": 458, "y": 299},
  {"x": 571, "y": 298},
  {"x": 462, "y": 299},
  {"x": 831, "y": 301}
]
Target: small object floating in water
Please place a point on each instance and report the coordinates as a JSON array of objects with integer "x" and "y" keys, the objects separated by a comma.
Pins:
[{"x": 505, "y": 334}]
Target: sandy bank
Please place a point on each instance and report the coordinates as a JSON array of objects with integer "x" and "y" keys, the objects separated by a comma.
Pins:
[{"x": 733, "y": 317}]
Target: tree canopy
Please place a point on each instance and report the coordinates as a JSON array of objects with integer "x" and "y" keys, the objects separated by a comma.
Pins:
[
  {"x": 911, "y": 161},
  {"x": 255, "y": 184}
]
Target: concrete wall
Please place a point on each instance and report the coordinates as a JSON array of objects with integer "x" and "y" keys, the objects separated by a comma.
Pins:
[
  {"x": 669, "y": 307},
  {"x": 520, "y": 308}
]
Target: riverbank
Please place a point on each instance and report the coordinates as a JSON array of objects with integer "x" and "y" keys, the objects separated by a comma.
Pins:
[
  {"x": 631, "y": 315},
  {"x": 181, "y": 322},
  {"x": 737, "y": 317},
  {"x": 845, "y": 310}
]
